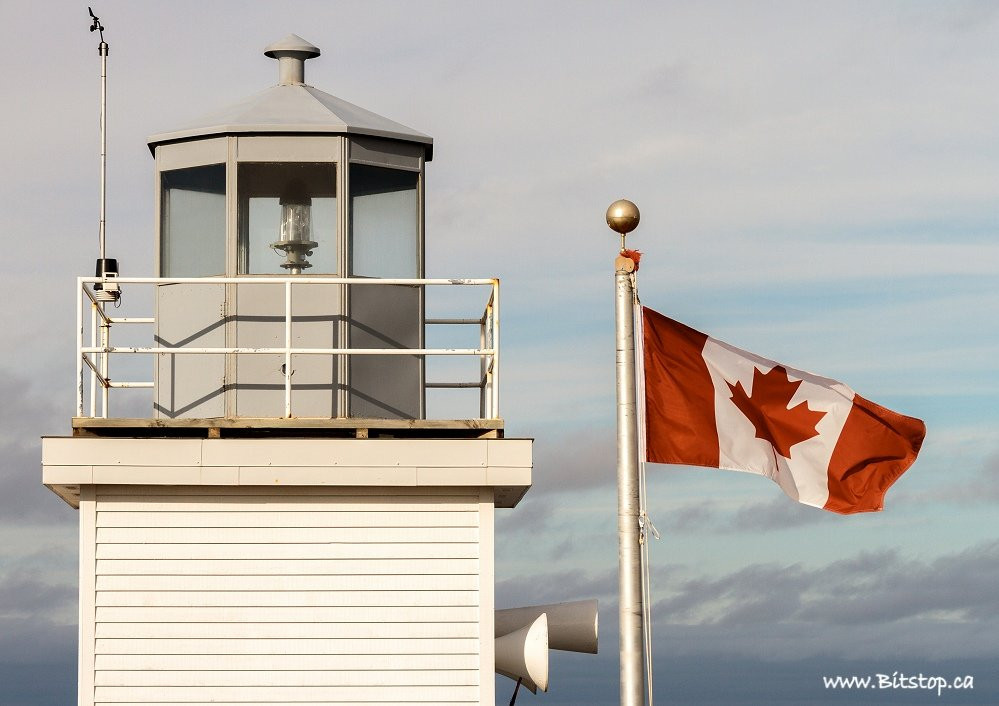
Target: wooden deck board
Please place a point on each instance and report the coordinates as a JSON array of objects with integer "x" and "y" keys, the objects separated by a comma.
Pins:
[{"x": 215, "y": 427}]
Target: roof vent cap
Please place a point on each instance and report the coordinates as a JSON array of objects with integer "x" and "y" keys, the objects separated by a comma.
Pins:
[{"x": 291, "y": 53}]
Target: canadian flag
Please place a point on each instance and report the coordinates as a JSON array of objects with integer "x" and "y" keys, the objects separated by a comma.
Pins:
[{"x": 711, "y": 404}]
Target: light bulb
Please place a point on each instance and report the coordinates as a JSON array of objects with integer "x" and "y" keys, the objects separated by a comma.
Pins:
[
  {"x": 295, "y": 238},
  {"x": 296, "y": 220}
]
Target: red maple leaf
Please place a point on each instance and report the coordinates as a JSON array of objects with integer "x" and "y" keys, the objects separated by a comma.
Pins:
[{"x": 767, "y": 409}]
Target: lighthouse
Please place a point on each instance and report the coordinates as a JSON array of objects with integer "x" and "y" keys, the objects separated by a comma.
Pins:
[{"x": 282, "y": 521}]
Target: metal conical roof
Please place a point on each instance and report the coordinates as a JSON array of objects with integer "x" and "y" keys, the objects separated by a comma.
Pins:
[{"x": 294, "y": 108}]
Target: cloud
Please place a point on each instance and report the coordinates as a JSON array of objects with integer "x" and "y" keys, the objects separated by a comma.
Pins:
[
  {"x": 874, "y": 588},
  {"x": 27, "y": 414},
  {"x": 37, "y": 663},
  {"x": 531, "y": 516},
  {"x": 31, "y": 593},
  {"x": 778, "y": 513},
  {"x": 984, "y": 487},
  {"x": 692, "y": 517},
  {"x": 556, "y": 587},
  {"x": 975, "y": 488},
  {"x": 751, "y": 680},
  {"x": 38, "y": 634},
  {"x": 879, "y": 606},
  {"x": 575, "y": 461}
]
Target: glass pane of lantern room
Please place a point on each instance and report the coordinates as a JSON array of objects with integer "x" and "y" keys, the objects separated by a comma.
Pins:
[
  {"x": 385, "y": 217},
  {"x": 276, "y": 199},
  {"x": 192, "y": 233},
  {"x": 384, "y": 243}
]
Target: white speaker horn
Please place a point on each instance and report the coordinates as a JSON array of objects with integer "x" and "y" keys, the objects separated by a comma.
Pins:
[
  {"x": 523, "y": 654},
  {"x": 572, "y": 626}
]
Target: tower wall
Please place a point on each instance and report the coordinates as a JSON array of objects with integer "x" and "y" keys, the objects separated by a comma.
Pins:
[
  {"x": 275, "y": 571},
  {"x": 289, "y": 595}
]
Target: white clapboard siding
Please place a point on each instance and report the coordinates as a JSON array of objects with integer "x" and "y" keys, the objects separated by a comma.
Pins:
[
  {"x": 201, "y": 631},
  {"x": 234, "y": 494},
  {"x": 280, "y": 596},
  {"x": 291, "y": 647},
  {"x": 388, "y": 677},
  {"x": 291, "y": 663},
  {"x": 286, "y": 567},
  {"x": 251, "y": 550},
  {"x": 390, "y": 614},
  {"x": 287, "y": 535},
  {"x": 278, "y": 599},
  {"x": 294, "y": 582},
  {"x": 285, "y": 694},
  {"x": 282, "y": 703},
  {"x": 410, "y": 517},
  {"x": 289, "y": 502}
]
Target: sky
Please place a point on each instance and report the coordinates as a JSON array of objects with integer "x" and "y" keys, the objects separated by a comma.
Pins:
[{"x": 818, "y": 182}]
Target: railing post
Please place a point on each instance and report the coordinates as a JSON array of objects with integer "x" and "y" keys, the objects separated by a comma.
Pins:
[
  {"x": 93, "y": 344},
  {"x": 496, "y": 349},
  {"x": 105, "y": 361},
  {"x": 79, "y": 347},
  {"x": 287, "y": 349},
  {"x": 483, "y": 365}
]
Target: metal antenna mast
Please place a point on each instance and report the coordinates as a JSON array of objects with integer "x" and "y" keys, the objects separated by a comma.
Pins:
[
  {"x": 106, "y": 292},
  {"x": 102, "y": 49}
]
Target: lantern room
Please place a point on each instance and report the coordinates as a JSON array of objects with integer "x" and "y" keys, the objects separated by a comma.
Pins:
[{"x": 292, "y": 182}]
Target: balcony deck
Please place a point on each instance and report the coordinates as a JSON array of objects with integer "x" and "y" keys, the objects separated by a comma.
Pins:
[{"x": 350, "y": 427}]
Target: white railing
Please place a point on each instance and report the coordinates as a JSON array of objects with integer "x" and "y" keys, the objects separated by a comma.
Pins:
[{"x": 95, "y": 358}]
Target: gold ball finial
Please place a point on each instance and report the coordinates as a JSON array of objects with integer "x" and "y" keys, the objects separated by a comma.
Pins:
[{"x": 623, "y": 216}]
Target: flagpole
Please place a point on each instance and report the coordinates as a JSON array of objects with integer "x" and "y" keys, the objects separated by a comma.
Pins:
[{"x": 623, "y": 217}]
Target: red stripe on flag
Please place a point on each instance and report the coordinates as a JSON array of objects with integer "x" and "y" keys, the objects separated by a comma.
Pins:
[
  {"x": 679, "y": 394},
  {"x": 875, "y": 447}
]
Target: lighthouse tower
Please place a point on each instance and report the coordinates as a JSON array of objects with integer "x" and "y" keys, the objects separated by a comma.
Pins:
[{"x": 281, "y": 521}]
